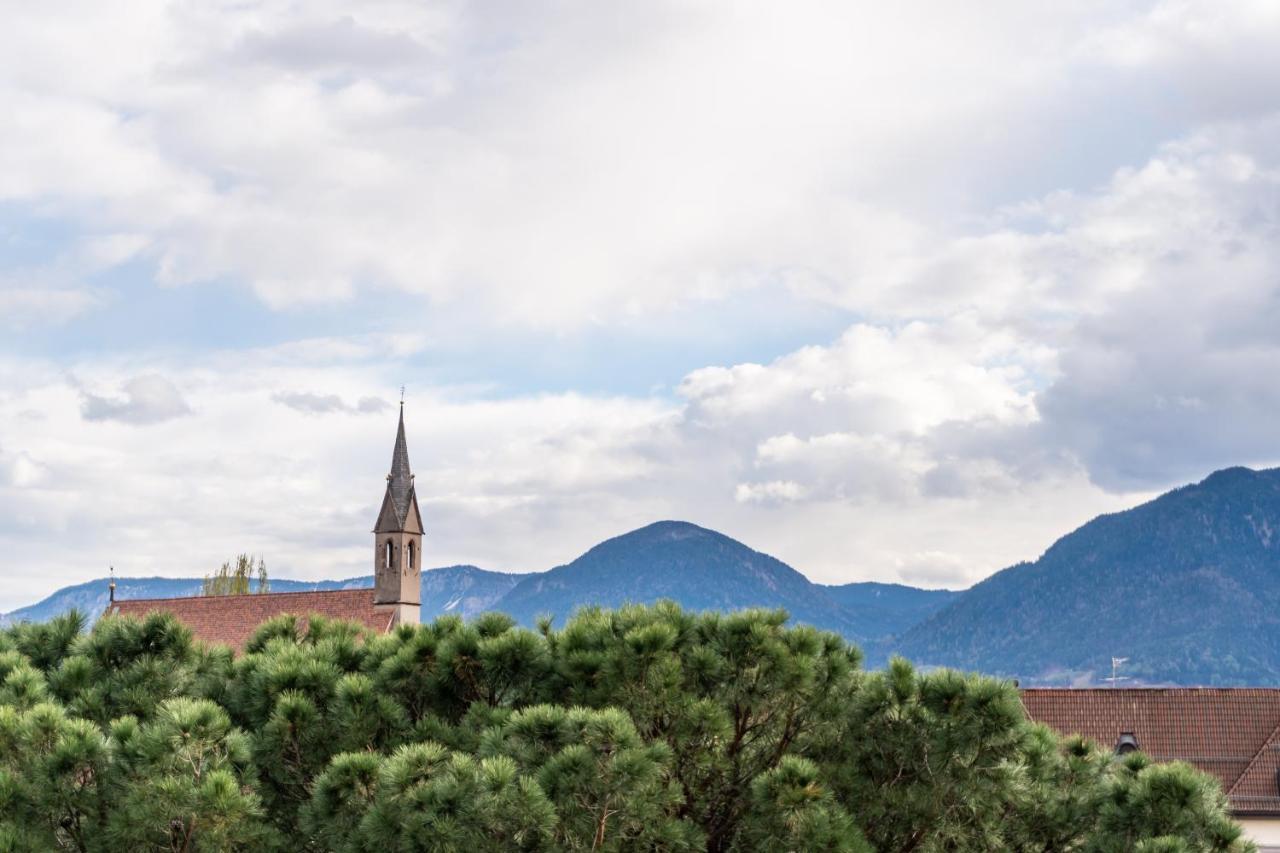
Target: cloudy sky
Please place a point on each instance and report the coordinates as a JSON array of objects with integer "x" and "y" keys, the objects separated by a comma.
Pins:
[{"x": 896, "y": 291}]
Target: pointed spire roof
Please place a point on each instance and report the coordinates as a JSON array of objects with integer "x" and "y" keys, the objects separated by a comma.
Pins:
[{"x": 400, "y": 480}]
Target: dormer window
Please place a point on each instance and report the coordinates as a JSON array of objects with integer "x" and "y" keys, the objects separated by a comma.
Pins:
[{"x": 1126, "y": 744}]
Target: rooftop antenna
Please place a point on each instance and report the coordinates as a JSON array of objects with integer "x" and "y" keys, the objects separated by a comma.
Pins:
[
  {"x": 1115, "y": 671},
  {"x": 111, "y": 587}
]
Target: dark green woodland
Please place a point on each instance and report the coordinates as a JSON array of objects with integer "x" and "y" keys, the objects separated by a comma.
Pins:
[{"x": 643, "y": 728}]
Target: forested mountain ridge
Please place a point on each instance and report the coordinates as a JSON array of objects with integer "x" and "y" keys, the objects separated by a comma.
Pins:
[
  {"x": 881, "y": 610},
  {"x": 699, "y": 568},
  {"x": 1187, "y": 586}
]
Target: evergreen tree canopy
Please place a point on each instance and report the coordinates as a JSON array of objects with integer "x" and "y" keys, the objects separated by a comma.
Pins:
[{"x": 637, "y": 729}]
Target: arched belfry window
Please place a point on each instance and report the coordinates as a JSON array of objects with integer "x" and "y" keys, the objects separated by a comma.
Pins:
[
  {"x": 409, "y": 556},
  {"x": 388, "y": 554}
]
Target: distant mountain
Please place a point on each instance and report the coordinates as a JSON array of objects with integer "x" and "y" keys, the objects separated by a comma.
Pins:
[
  {"x": 1187, "y": 587},
  {"x": 883, "y": 610},
  {"x": 465, "y": 590},
  {"x": 701, "y": 569}
]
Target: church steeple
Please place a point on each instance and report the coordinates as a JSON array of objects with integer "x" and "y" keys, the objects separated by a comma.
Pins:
[
  {"x": 400, "y": 483},
  {"x": 397, "y": 536}
]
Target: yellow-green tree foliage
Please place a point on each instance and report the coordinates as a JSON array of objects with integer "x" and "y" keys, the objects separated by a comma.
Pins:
[{"x": 238, "y": 576}]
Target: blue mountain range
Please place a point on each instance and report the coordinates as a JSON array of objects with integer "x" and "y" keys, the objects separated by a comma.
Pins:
[
  {"x": 699, "y": 568},
  {"x": 1186, "y": 586}
]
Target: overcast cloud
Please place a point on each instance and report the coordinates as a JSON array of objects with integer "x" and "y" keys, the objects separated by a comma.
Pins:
[{"x": 891, "y": 291}]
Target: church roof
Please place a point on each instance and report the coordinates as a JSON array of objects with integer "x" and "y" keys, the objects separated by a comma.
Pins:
[
  {"x": 232, "y": 619},
  {"x": 400, "y": 482}
]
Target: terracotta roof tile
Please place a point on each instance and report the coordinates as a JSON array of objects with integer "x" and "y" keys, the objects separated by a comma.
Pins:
[
  {"x": 232, "y": 619},
  {"x": 1228, "y": 732},
  {"x": 1258, "y": 788}
]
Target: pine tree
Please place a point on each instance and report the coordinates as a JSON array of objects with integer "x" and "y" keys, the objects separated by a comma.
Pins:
[
  {"x": 613, "y": 791},
  {"x": 792, "y": 809},
  {"x": 644, "y": 728}
]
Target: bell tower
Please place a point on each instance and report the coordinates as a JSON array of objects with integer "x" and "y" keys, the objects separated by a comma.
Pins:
[{"x": 397, "y": 539}]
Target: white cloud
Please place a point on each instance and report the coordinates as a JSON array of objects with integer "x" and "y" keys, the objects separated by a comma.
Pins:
[
  {"x": 978, "y": 435},
  {"x": 1055, "y": 228},
  {"x": 25, "y": 306},
  {"x": 562, "y": 168},
  {"x": 779, "y": 491},
  {"x": 20, "y": 470},
  {"x": 935, "y": 569},
  {"x": 148, "y": 399},
  {"x": 1162, "y": 376},
  {"x": 876, "y": 378},
  {"x": 323, "y": 404}
]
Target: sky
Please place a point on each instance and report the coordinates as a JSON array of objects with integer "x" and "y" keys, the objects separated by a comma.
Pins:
[{"x": 891, "y": 291}]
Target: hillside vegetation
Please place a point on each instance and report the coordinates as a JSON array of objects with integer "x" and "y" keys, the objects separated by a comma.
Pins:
[
  {"x": 1186, "y": 586},
  {"x": 701, "y": 569},
  {"x": 640, "y": 729}
]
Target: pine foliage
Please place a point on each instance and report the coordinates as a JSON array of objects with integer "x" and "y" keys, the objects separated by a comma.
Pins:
[{"x": 637, "y": 729}]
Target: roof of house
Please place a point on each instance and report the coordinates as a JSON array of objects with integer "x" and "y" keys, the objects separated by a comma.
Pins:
[
  {"x": 1230, "y": 732},
  {"x": 232, "y": 619}
]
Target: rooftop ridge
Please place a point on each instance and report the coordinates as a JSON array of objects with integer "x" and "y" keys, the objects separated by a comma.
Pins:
[
  {"x": 1173, "y": 688},
  {"x": 232, "y": 619},
  {"x": 251, "y": 595}
]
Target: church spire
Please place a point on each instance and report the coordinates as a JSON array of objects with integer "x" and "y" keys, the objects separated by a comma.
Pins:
[
  {"x": 400, "y": 504},
  {"x": 400, "y": 480},
  {"x": 397, "y": 537}
]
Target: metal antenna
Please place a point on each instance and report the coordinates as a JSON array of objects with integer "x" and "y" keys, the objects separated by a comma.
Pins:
[{"x": 1115, "y": 670}]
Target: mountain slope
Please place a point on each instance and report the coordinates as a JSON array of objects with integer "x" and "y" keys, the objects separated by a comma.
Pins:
[
  {"x": 882, "y": 610},
  {"x": 464, "y": 590},
  {"x": 701, "y": 569},
  {"x": 1186, "y": 586}
]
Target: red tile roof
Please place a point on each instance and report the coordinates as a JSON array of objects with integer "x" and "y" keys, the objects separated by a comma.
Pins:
[
  {"x": 1257, "y": 791},
  {"x": 1230, "y": 732},
  {"x": 232, "y": 619}
]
